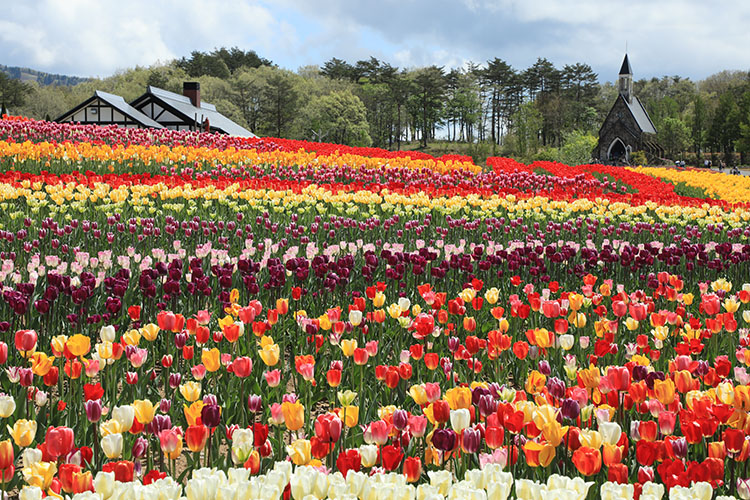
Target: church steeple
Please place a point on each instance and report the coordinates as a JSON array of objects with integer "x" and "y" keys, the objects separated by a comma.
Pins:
[{"x": 626, "y": 80}]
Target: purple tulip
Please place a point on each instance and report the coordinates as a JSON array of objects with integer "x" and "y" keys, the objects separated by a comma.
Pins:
[
  {"x": 400, "y": 419},
  {"x": 254, "y": 403},
  {"x": 570, "y": 409},
  {"x": 93, "y": 410},
  {"x": 140, "y": 446},
  {"x": 211, "y": 415},
  {"x": 444, "y": 439},
  {"x": 472, "y": 438}
]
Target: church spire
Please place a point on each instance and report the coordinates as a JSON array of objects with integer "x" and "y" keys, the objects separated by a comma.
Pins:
[{"x": 626, "y": 80}]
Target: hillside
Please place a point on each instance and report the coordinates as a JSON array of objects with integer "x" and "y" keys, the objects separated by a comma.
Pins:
[{"x": 32, "y": 75}]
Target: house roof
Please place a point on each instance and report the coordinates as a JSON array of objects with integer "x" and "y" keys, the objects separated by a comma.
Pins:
[
  {"x": 641, "y": 116},
  {"x": 625, "y": 69},
  {"x": 118, "y": 103},
  {"x": 183, "y": 106}
]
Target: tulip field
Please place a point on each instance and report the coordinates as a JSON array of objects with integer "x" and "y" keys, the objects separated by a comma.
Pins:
[{"x": 198, "y": 316}]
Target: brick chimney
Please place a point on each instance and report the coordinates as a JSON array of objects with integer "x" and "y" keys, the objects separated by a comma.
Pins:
[{"x": 192, "y": 90}]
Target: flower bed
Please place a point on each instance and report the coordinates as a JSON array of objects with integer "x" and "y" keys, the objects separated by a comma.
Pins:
[{"x": 209, "y": 321}]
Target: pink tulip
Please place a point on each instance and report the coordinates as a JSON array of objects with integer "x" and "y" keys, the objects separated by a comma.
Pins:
[
  {"x": 377, "y": 433},
  {"x": 273, "y": 377}
]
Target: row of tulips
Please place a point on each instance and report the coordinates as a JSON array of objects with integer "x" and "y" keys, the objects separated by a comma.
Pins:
[
  {"x": 556, "y": 398},
  {"x": 308, "y": 483},
  {"x": 21, "y": 129},
  {"x": 302, "y": 168}
]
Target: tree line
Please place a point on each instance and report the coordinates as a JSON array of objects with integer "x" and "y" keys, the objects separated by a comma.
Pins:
[{"x": 539, "y": 112}]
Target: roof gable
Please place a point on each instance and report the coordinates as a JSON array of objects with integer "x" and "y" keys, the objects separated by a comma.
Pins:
[
  {"x": 118, "y": 103},
  {"x": 181, "y": 105}
]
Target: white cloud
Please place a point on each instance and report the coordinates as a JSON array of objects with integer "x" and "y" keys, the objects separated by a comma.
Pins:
[{"x": 95, "y": 37}]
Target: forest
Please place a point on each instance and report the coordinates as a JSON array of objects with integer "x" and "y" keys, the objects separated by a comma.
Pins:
[{"x": 540, "y": 112}]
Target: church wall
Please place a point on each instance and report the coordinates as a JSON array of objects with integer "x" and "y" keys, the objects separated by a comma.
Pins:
[{"x": 619, "y": 123}]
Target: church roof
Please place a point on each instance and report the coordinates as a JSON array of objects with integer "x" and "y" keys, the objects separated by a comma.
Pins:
[
  {"x": 625, "y": 69},
  {"x": 639, "y": 113}
]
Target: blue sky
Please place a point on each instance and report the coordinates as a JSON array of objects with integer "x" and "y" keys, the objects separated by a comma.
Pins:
[{"x": 690, "y": 38}]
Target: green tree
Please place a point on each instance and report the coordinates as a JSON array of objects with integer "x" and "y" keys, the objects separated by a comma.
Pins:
[
  {"x": 698, "y": 125},
  {"x": 280, "y": 103},
  {"x": 338, "y": 69},
  {"x": 430, "y": 90},
  {"x": 526, "y": 127},
  {"x": 338, "y": 117},
  {"x": 577, "y": 147},
  {"x": 12, "y": 92},
  {"x": 674, "y": 135}
]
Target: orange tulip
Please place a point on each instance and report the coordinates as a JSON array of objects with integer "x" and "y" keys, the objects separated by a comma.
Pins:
[
  {"x": 294, "y": 415},
  {"x": 587, "y": 460}
]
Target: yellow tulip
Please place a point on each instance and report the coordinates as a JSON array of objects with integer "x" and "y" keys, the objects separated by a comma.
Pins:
[
  {"x": 132, "y": 337},
  {"x": 418, "y": 394},
  {"x": 150, "y": 332},
  {"x": 211, "y": 359},
  {"x": 58, "y": 344},
  {"x": 41, "y": 364},
  {"x": 458, "y": 398},
  {"x": 79, "y": 345},
  {"x": 40, "y": 474},
  {"x": 350, "y": 415},
  {"x": 664, "y": 390},
  {"x": 270, "y": 354},
  {"x": 378, "y": 300},
  {"x": 23, "y": 432},
  {"x": 492, "y": 295},
  {"x": 590, "y": 438},
  {"x": 144, "y": 411},
  {"x": 110, "y": 427},
  {"x": 193, "y": 412},
  {"x": 191, "y": 390},
  {"x": 348, "y": 346},
  {"x": 104, "y": 350},
  {"x": 300, "y": 452},
  {"x": 554, "y": 433}
]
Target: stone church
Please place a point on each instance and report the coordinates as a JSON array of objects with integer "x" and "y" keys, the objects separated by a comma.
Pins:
[{"x": 627, "y": 127}]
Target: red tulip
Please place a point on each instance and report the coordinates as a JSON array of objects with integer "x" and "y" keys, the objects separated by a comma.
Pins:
[
  {"x": 196, "y": 437},
  {"x": 587, "y": 460},
  {"x": 391, "y": 457},
  {"x": 349, "y": 460},
  {"x": 59, "y": 441},
  {"x": 26, "y": 340},
  {"x": 123, "y": 470},
  {"x": 412, "y": 469},
  {"x": 242, "y": 366},
  {"x": 494, "y": 437},
  {"x": 441, "y": 411},
  {"x": 65, "y": 473}
]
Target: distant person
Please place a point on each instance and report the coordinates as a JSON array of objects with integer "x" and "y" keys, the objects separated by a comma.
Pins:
[{"x": 705, "y": 164}]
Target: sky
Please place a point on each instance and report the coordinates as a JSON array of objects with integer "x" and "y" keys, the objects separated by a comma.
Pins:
[{"x": 690, "y": 38}]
